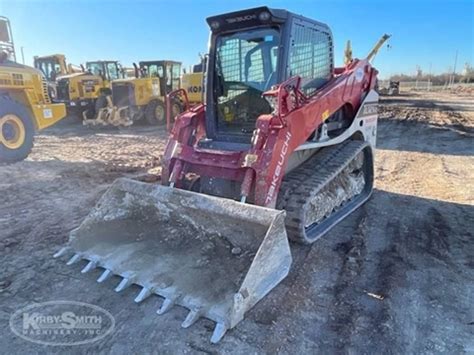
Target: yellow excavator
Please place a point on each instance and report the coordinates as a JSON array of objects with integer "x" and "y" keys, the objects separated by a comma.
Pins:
[{"x": 25, "y": 105}]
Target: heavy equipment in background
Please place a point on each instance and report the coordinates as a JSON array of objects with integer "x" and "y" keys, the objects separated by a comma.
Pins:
[
  {"x": 86, "y": 92},
  {"x": 388, "y": 87},
  {"x": 51, "y": 66},
  {"x": 193, "y": 81},
  {"x": 282, "y": 149},
  {"x": 54, "y": 66},
  {"x": 142, "y": 97},
  {"x": 128, "y": 72},
  {"x": 25, "y": 106}
]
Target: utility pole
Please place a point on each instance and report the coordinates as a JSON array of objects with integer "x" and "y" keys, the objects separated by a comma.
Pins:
[
  {"x": 22, "y": 56},
  {"x": 429, "y": 78},
  {"x": 455, "y": 63},
  {"x": 418, "y": 76}
]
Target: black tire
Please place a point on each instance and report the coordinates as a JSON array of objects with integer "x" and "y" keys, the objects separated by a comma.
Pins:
[
  {"x": 8, "y": 154},
  {"x": 89, "y": 113},
  {"x": 176, "y": 109},
  {"x": 100, "y": 103},
  {"x": 52, "y": 92},
  {"x": 155, "y": 113},
  {"x": 74, "y": 114}
]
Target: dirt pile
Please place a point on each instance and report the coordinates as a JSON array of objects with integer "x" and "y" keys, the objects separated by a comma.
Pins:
[{"x": 422, "y": 111}]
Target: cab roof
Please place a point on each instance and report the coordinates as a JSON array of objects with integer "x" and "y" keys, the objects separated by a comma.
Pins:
[{"x": 159, "y": 62}]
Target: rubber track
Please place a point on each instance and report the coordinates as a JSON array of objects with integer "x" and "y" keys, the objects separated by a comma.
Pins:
[{"x": 312, "y": 176}]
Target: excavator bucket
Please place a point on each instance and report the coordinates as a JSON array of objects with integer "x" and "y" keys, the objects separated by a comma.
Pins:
[{"x": 214, "y": 256}]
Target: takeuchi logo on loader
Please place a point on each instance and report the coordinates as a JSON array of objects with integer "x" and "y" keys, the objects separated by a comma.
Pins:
[
  {"x": 279, "y": 170},
  {"x": 62, "y": 323}
]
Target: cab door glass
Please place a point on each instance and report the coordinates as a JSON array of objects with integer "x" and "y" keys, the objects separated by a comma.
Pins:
[
  {"x": 113, "y": 71},
  {"x": 176, "y": 73},
  {"x": 160, "y": 71},
  {"x": 169, "y": 78}
]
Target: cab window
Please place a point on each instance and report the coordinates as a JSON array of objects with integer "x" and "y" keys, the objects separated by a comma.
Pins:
[
  {"x": 311, "y": 56},
  {"x": 113, "y": 71},
  {"x": 154, "y": 71},
  {"x": 176, "y": 73}
]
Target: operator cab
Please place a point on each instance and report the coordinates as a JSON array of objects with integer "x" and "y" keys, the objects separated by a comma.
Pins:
[
  {"x": 7, "y": 48},
  {"x": 50, "y": 66},
  {"x": 251, "y": 51},
  {"x": 107, "y": 70},
  {"x": 168, "y": 71}
]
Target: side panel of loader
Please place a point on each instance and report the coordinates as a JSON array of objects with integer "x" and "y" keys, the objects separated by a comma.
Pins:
[{"x": 47, "y": 115}]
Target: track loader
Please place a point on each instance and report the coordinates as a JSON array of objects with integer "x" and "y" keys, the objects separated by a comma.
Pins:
[{"x": 283, "y": 149}]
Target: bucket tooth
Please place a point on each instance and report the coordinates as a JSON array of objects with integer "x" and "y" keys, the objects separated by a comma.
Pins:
[
  {"x": 191, "y": 318},
  {"x": 74, "y": 259},
  {"x": 104, "y": 276},
  {"x": 90, "y": 266},
  {"x": 219, "y": 332},
  {"x": 166, "y": 306},
  {"x": 123, "y": 284},
  {"x": 61, "y": 252},
  {"x": 144, "y": 293}
]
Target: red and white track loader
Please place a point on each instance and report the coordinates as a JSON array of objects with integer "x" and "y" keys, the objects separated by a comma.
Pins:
[{"x": 282, "y": 150}]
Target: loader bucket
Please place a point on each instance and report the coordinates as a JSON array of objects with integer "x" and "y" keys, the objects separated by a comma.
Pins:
[{"x": 214, "y": 256}]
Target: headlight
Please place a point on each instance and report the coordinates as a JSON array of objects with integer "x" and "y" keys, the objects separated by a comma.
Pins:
[{"x": 264, "y": 16}]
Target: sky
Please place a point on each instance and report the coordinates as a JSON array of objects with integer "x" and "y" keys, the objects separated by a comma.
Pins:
[{"x": 425, "y": 33}]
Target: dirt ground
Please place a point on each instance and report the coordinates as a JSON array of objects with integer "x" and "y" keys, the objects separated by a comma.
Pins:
[{"x": 395, "y": 277}]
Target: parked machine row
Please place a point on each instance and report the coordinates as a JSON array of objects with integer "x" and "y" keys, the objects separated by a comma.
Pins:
[
  {"x": 105, "y": 93},
  {"x": 100, "y": 92}
]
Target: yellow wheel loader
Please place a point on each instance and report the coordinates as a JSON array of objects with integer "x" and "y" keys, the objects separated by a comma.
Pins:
[
  {"x": 53, "y": 67},
  {"x": 142, "y": 97},
  {"x": 86, "y": 92},
  {"x": 25, "y": 106}
]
